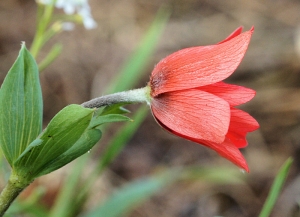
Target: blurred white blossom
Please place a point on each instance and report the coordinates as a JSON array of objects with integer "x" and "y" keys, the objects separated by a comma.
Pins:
[
  {"x": 68, "y": 26},
  {"x": 81, "y": 7}
]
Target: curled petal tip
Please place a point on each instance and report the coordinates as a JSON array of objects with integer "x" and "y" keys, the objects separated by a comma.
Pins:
[
  {"x": 235, "y": 33},
  {"x": 239, "y": 29}
]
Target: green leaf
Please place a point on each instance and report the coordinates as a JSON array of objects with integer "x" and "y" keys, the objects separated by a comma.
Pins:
[
  {"x": 132, "y": 195},
  {"x": 85, "y": 143},
  {"x": 60, "y": 135},
  {"x": 276, "y": 188},
  {"x": 108, "y": 119},
  {"x": 65, "y": 203},
  {"x": 114, "y": 109},
  {"x": 21, "y": 106}
]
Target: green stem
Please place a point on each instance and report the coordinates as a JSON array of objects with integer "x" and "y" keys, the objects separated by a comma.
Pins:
[
  {"x": 12, "y": 189},
  {"x": 44, "y": 17},
  {"x": 53, "y": 53},
  {"x": 130, "y": 96}
]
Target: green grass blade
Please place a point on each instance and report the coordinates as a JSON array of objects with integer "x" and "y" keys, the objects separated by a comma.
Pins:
[
  {"x": 117, "y": 144},
  {"x": 51, "y": 56},
  {"x": 276, "y": 188},
  {"x": 133, "y": 69},
  {"x": 128, "y": 76},
  {"x": 133, "y": 194},
  {"x": 65, "y": 205},
  {"x": 212, "y": 174},
  {"x": 136, "y": 192}
]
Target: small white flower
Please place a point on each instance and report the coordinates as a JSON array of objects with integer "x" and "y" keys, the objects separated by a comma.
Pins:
[
  {"x": 88, "y": 21},
  {"x": 81, "y": 7},
  {"x": 68, "y": 26}
]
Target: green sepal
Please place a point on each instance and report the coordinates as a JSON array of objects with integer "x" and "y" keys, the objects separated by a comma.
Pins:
[
  {"x": 85, "y": 143},
  {"x": 97, "y": 121},
  {"x": 21, "y": 106},
  {"x": 114, "y": 109},
  {"x": 60, "y": 135},
  {"x": 29, "y": 148}
]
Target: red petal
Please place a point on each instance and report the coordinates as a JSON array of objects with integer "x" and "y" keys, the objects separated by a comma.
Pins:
[
  {"x": 199, "y": 66},
  {"x": 235, "y": 33},
  {"x": 226, "y": 149},
  {"x": 233, "y": 94},
  {"x": 193, "y": 113},
  {"x": 240, "y": 124}
]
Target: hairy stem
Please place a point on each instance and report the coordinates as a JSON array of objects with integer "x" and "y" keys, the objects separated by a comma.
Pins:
[{"x": 131, "y": 96}]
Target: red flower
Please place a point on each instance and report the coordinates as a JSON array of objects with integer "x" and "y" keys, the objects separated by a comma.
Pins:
[{"x": 189, "y": 99}]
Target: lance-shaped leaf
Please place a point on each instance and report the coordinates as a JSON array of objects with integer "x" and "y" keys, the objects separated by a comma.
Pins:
[
  {"x": 60, "y": 135},
  {"x": 21, "y": 106},
  {"x": 85, "y": 143}
]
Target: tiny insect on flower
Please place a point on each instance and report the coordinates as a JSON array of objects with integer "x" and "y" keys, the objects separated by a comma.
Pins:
[{"x": 189, "y": 98}]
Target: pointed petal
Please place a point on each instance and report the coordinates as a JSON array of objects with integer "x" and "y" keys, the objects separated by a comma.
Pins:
[
  {"x": 199, "y": 66},
  {"x": 240, "y": 124},
  {"x": 193, "y": 113},
  {"x": 235, "y": 33},
  {"x": 225, "y": 149},
  {"x": 229, "y": 151},
  {"x": 233, "y": 94}
]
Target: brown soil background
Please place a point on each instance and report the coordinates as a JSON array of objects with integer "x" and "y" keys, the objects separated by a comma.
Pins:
[{"x": 90, "y": 59}]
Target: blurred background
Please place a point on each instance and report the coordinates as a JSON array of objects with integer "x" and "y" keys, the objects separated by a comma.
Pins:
[{"x": 91, "y": 59}]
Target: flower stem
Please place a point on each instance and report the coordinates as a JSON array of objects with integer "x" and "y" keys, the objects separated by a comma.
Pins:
[
  {"x": 44, "y": 17},
  {"x": 131, "y": 96},
  {"x": 12, "y": 189}
]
